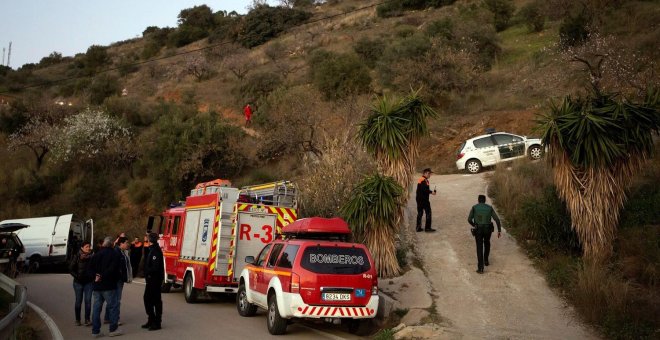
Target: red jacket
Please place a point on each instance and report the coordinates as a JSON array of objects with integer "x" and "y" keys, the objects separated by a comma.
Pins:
[{"x": 247, "y": 111}]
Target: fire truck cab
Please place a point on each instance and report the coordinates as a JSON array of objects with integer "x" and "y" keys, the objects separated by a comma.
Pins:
[{"x": 202, "y": 237}]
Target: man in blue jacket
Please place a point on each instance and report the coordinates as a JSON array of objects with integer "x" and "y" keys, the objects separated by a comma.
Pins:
[{"x": 104, "y": 267}]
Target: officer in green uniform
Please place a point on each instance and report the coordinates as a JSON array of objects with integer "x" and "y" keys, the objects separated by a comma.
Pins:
[{"x": 482, "y": 227}]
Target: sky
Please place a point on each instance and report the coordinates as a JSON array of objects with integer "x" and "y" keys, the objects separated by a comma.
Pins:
[{"x": 38, "y": 27}]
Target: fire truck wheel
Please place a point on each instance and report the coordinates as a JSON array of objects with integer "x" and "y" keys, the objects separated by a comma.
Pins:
[
  {"x": 276, "y": 324},
  {"x": 189, "y": 291},
  {"x": 244, "y": 307},
  {"x": 165, "y": 287}
]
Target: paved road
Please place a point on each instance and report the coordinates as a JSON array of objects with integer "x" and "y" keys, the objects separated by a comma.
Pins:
[
  {"x": 510, "y": 301},
  {"x": 207, "y": 320}
]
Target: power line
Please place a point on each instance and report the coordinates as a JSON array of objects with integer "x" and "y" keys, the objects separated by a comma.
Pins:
[{"x": 183, "y": 53}]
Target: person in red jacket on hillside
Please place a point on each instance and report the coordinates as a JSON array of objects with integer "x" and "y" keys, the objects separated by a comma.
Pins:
[{"x": 247, "y": 111}]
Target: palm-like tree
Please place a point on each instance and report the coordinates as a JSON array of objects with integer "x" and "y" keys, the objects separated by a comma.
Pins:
[
  {"x": 391, "y": 133},
  {"x": 597, "y": 144},
  {"x": 371, "y": 213}
]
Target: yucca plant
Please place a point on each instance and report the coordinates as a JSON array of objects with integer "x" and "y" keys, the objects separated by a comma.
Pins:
[
  {"x": 371, "y": 212},
  {"x": 597, "y": 144},
  {"x": 391, "y": 133}
]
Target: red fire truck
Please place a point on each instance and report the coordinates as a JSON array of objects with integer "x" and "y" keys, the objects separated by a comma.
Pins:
[{"x": 202, "y": 238}]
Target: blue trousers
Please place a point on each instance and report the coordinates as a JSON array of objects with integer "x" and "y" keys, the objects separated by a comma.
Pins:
[
  {"x": 108, "y": 297},
  {"x": 120, "y": 289},
  {"x": 83, "y": 291}
]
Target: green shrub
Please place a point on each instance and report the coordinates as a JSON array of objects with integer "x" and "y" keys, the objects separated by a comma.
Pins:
[
  {"x": 127, "y": 64},
  {"x": 185, "y": 35},
  {"x": 139, "y": 191},
  {"x": 574, "y": 29},
  {"x": 264, "y": 23},
  {"x": 502, "y": 12},
  {"x": 532, "y": 16},
  {"x": 546, "y": 220},
  {"x": 443, "y": 28},
  {"x": 397, "y": 7},
  {"x": 103, "y": 86},
  {"x": 13, "y": 117},
  {"x": 258, "y": 86},
  {"x": 128, "y": 108},
  {"x": 339, "y": 75},
  {"x": 369, "y": 50}
]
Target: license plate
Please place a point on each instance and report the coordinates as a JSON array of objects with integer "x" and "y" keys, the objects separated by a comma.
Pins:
[{"x": 336, "y": 297}]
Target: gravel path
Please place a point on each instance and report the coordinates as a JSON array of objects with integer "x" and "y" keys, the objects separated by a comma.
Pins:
[{"x": 511, "y": 300}]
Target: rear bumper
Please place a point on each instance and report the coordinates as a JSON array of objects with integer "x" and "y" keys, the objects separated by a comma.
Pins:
[
  {"x": 460, "y": 164},
  {"x": 296, "y": 308}
]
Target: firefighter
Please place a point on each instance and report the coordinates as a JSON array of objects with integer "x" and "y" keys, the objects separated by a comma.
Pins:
[
  {"x": 154, "y": 273},
  {"x": 247, "y": 111},
  {"x": 480, "y": 218},
  {"x": 136, "y": 255},
  {"x": 145, "y": 250},
  {"x": 422, "y": 198}
]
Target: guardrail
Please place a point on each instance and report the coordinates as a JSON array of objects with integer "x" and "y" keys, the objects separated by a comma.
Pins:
[{"x": 9, "y": 324}]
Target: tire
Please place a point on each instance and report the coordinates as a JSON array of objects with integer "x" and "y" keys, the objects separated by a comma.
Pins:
[
  {"x": 189, "y": 291},
  {"x": 353, "y": 325},
  {"x": 35, "y": 264},
  {"x": 473, "y": 166},
  {"x": 535, "y": 152},
  {"x": 166, "y": 287},
  {"x": 276, "y": 324},
  {"x": 244, "y": 307}
]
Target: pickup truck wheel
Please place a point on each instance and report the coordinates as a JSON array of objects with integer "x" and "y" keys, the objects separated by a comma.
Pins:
[
  {"x": 165, "y": 287},
  {"x": 189, "y": 291},
  {"x": 276, "y": 324},
  {"x": 353, "y": 325},
  {"x": 244, "y": 307}
]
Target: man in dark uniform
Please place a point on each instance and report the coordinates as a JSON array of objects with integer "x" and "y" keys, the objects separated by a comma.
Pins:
[
  {"x": 482, "y": 227},
  {"x": 154, "y": 273},
  {"x": 422, "y": 198}
]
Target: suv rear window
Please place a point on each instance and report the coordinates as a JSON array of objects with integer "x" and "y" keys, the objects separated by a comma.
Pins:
[
  {"x": 483, "y": 142},
  {"x": 335, "y": 260}
]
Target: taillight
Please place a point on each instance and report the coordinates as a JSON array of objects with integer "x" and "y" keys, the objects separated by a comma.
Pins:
[
  {"x": 295, "y": 283},
  {"x": 374, "y": 287},
  {"x": 459, "y": 155}
]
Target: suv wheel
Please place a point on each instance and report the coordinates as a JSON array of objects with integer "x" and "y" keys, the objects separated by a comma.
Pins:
[
  {"x": 276, "y": 324},
  {"x": 189, "y": 291},
  {"x": 353, "y": 325},
  {"x": 473, "y": 166},
  {"x": 535, "y": 152},
  {"x": 244, "y": 307}
]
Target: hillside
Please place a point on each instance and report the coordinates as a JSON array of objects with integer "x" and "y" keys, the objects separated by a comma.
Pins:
[{"x": 174, "y": 98}]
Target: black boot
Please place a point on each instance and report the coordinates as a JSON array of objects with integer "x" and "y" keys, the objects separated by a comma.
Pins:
[
  {"x": 154, "y": 327},
  {"x": 147, "y": 325}
]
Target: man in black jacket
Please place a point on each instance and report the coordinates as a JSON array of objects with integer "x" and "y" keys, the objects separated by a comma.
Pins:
[
  {"x": 422, "y": 198},
  {"x": 154, "y": 273},
  {"x": 104, "y": 267}
]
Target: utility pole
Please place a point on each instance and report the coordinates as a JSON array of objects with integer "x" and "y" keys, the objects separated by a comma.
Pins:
[{"x": 9, "y": 54}]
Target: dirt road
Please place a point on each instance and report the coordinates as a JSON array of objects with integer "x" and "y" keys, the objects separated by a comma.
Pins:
[{"x": 510, "y": 301}]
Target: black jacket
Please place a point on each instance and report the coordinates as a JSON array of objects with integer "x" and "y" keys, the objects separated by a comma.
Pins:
[
  {"x": 79, "y": 268},
  {"x": 423, "y": 190},
  {"x": 106, "y": 264},
  {"x": 154, "y": 267}
]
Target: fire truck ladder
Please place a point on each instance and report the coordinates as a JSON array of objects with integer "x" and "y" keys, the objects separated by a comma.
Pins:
[
  {"x": 229, "y": 196},
  {"x": 281, "y": 193}
]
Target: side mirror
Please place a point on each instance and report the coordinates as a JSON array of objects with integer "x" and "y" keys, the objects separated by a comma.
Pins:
[{"x": 249, "y": 259}]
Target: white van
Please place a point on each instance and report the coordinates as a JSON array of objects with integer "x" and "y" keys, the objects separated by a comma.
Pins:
[{"x": 52, "y": 239}]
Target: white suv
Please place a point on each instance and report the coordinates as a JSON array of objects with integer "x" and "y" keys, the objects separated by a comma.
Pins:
[{"x": 492, "y": 148}]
